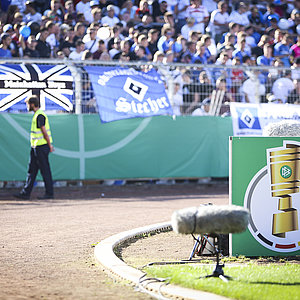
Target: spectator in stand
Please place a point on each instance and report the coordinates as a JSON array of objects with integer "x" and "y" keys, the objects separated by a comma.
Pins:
[
  {"x": 69, "y": 8},
  {"x": 110, "y": 19},
  {"x": 152, "y": 40},
  {"x": 257, "y": 22},
  {"x": 295, "y": 20},
  {"x": 282, "y": 50},
  {"x": 219, "y": 21},
  {"x": 252, "y": 89},
  {"x": 52, "y": 38},
  {"x": 181, "y": 14},
  {"x": 101, "y": 49},
  {"x": 83, "y": 6},
  {"x": 96, "y": 14},
  {"x": 115, "y": 33},
  {"x": 58, "y": 11},
  {"x": 20, "y": 3},
  {"x": 165, "y": 41},
  {"x": 146, "y": 24},
  {"x": 177, "y": 100},
  {"x": 250, "y": 40},
  {"x": 199, "y": 57},
  {"x": 295, "y": 69},
  {"x": 199, "y": 12},
  {"x": 67, "y": 45},
  {"x": 233, "y": 29},
  {"x": 115, "y": 51},
  {"x": 91, "y": 40},
  {"x": 18, "y": 18},
  {"x": 12, "y": 9},
  {"x": 13, "y": 47},
  {"x": 159, "y": 9},
  {"x": 158, "y": 57},
  {"x": 267, "y": 58},
  {"x": 241, "y": 50},
  {"x": 203, "y": 90},
  {"x": 230, "y": 40},
  {"x": 32, "y": 15},
  {"x": 142, "y": 10},
  {"x": 188, "y": 27},
  {"x": 283, "y": 86},
  {"x": 237, "y": 78},
  {"x": 126, "y": 52},
  {"x": 78, "y": 52},
  {"x": 79, "y": 31},
  {"x": 294, "y": 96},
  {"x": 140, "y": 53},
  {"x": 128, "y": 8},
  {"x": 258, "y": 49},
  {"x": 240, "y": 16},
  {"x": 88, "y": 12},
  {"x": 42, "y": 46},
  {"x": 295, "y": 49},
  {"x": 4, "y": 47},
  {"x": 270, "y": 14}
]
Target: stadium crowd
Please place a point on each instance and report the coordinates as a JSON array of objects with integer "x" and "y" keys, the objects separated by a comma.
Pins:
[{"x": 218, "y": 33}]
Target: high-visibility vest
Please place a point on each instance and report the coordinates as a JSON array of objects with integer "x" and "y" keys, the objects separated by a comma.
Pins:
[{"x": 36, "y": 135}]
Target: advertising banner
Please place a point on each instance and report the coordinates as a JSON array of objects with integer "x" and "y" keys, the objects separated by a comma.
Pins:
[
  {"x": 250, "y": 119},
  {"x": 123, "y": 93},
  {"x": 265, "y": 178},
  {"x": 52, "y": 84}
]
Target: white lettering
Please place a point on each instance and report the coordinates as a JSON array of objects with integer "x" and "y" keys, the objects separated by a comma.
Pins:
[{"x": 122, "y": 105}]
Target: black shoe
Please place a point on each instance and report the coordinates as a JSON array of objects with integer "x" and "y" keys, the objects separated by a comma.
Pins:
[
  {"x": 21, "y": 196},
  {"x": 45, "y": 197}
]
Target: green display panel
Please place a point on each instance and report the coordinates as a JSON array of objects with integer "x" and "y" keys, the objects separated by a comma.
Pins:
[
  {"x": 265, "y": 178},
  {"x": 157, "y": 147}
]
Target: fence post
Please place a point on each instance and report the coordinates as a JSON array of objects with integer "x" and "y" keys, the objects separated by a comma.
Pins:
[{"x": 76, "y": 73}]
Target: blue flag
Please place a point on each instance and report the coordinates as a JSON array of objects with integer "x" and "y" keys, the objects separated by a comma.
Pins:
[
  {"x": 123, "y": 93},
  {"x": 53, "y": 84}
]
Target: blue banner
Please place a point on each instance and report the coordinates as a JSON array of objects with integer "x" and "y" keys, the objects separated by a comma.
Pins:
[
  {"x": 52, "y": 84},
  {"x": 123, "y": 93}
]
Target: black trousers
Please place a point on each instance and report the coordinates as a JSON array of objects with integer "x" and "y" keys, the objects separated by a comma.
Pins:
[{"x": 39, "y": 161}]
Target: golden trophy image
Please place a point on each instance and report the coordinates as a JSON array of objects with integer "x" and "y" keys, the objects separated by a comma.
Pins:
[{"x": 284, "y": 168}]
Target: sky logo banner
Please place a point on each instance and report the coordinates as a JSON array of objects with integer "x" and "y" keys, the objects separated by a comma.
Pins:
[
  {"x": 52, "y": 84},
  {"x": 126, "y": 93},
  {"x": 250, "y": 119}
]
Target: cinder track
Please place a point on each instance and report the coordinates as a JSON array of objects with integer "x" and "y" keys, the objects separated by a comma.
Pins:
[{"x": 47, "y": 247}]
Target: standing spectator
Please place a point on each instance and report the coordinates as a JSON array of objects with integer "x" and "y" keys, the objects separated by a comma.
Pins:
[
  {"x": 257, "y": 22},
  {"x": 219, "y": 21},
  {"x": 78, "y": 52},
  {"x": 252, "y": 89},
  {"x": 115, "y": 51},
  {"x": 53, "y": 31},
  {"x": 282, "y": 50},
  {"x": 240, "y": 16},
  {"x": 18, "y": 18},
  {"x": 110, "y": 19},
  {"x": 204, "y": 89},
  {"x": 270, "y": 14},
  {"x": 58, "y": 11},
  {"x": 199, "y": 13},
  {"x": 20, "y": 3},
  {"x": 295, "y": 50},
  {"x": 79, "y": 31},
  {"x": 88, "y": 12},
  {"x": 166, "y": 40},
  {"x": 283, "y": 86},
  {"x": 181, "y": 14},
  {"x": 43, "y": 47},
  {"x": 67, "y": 45},
  {"x": 177, "y": 100},
  {"x": 30, "y": 50},
  {"x": 4, "y": 47},
  {"x": 294, "y": 96},
  {"x": 101, "y": 49},
  {"x": 241, "y": 50},
  {"x": 128, "y": 8},
  {"x": 83, "y": 6},
  {"x": 188, "y": 27},
  {"x": 295, "y": 69},
  {"x": 142, "y": 10},
  {"x": 237, "y": 78},
  {"x": 32, "y": 15}
]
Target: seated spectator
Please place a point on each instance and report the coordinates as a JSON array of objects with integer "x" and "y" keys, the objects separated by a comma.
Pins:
[
  {"x": 199, "y": 12},
  {"x": 30, "y": 50},
  {"x": 152, "y": 40},
  {"x": 158, "y": 57},
  {"x": 101, "y": 49},
  {"x": 250, "y": 40},
  {"x": 110, "y": 19},
  {"x": 4, "y": 47},
  {"x": 295, "y": 50},
  {"x": 188, "y": 27},
  {"x": 241, "y": 50},
  {"x": 159, "y": 9},
  {"x": 33, "y": 15},
  {"x": 270, "y": 14},
  {"x": 87, "y": 55},
  {"x": 219, "y": 21},
  {"x": 42, "y": 46},
  {"x": 78, "y": 52},
  {"x": 283, "y": 86},
  {"x": 282, "y": 48},
  {"x": 207, "y": 41},
  {"x": 240, "y": 16},
  {"x": 169, "y": 19},
  {"x": 230, "y": 40},
  {"x": 252, "y": 89},
  {"x": 88, "y": 12},
  {"x": 96, "y": 15},
  {"x": 142, "y": 10},
  {"x": 126, "y": 52},
  {"x": 91, "y": 40},
  {"x": 115, "y": 33}
]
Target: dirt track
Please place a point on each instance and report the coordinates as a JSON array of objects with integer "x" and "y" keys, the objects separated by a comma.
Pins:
[{"x": 47, "y": 247}]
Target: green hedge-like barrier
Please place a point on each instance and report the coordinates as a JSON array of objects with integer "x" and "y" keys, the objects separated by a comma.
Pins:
[{"x": 154, "y": 147}]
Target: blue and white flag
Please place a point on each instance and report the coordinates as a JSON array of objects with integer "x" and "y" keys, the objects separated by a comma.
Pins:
[
  {"x": 123, "y": 93},
  {"x": 52, "y": 84},
  {"x": 250, "y": 119}
]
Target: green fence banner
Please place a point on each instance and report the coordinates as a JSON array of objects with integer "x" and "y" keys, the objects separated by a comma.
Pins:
[
  {"x": 157, "y": 147},
  {"x": 265, "y": 178}
]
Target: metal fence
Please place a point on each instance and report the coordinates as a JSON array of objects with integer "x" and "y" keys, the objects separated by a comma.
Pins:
[{"x": 193, "y": 89}]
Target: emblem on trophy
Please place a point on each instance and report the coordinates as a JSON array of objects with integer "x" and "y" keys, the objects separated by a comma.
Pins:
[{"x": 284, "y": 170}]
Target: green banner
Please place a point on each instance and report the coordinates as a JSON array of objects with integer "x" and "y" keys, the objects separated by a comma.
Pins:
[
  {"x": 265, "y": 178},
  {"x": 157, "y": 147}
]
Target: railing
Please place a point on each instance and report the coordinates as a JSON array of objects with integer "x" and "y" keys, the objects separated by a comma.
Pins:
[{"x": 193, "y": 89}]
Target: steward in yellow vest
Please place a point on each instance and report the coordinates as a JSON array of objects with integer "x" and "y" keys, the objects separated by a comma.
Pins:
[{"x": 41, "y": 146}]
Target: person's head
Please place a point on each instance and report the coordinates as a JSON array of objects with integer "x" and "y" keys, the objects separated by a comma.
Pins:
[
  {"x": 200, "y": 48},
  {"x": 221, "y": 83},
  {"x": 268, "y": 50},
  {"x": 69, "y": 6},
  {"x": 278, "y": 35},
  {"x": 163, "y": 6},
  {"x": 242, "y": 8},
  {"x": 236, "y": 61},
  {"x": 140, "y": 51},
  {"x": 87, "y": 55},
  {"x": 30, "y": 7},
  {"x": 206, "y": 40},
  {"x": 224, "y": 57},
  {"x": 110, "y": 11},
  {"x": 101, "y": 46},
  {"x": 203, "y": 78},
  {"x": 96, "y": 13},
  {"x": 79, "y": 46},
  {"x": 153, "y": 35},
  {"x": 60, "y": 55},
  {"x": 105, "y": 57},
  {"x": 55, "y": 4},
  {"x": 169, "y": 58},
  {"x": 142, "y": 40},
  {"x": 222, "y": 6},
  {"x": 5, "y": 40},
  {"x": 143, "y": 5},
  {"x": 79, "y": 29},
  {"x": 233, "y": 27},
  {"x": 43, "y": 34},
  {"x": 117, "y": 43},
  {"x": 18, "y": 18},
  {"x": 31, "y": 42},
  {"x": 158, "y": 56},
  {"x": 33, "y": 103},
  {"x": 92, "y": 32}
]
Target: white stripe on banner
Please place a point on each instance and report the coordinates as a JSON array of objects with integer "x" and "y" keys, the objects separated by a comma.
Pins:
[{"x": 250, "y": 119}]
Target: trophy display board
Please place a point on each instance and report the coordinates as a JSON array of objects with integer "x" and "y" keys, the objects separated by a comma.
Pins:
[{"x": 265, "y": 178}]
